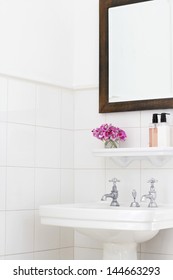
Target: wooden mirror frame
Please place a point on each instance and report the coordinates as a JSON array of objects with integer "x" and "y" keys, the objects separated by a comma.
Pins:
[{"x": 104, "y": 105}]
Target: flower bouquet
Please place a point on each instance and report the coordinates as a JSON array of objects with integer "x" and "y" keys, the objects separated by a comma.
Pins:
[{"x": 110, "y": 135}]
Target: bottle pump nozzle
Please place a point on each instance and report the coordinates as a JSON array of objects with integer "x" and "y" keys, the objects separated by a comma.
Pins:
[
  {"x": 163, "y": 117},
  {"x": 155, "y": 118}
]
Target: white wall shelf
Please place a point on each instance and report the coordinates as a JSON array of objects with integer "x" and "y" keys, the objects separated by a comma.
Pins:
[{"x": 124, "y": 156}]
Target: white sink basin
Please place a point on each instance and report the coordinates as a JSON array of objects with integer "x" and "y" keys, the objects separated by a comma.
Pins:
[{"x": 118, "y": 228}]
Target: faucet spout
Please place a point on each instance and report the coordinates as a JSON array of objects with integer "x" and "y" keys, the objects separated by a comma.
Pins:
[
  {"x": 105, "y": 196},
  {"x": 114, "y": 196},
  {"x": 145, "y": 196},
  {"x": 150, "y": 196}
]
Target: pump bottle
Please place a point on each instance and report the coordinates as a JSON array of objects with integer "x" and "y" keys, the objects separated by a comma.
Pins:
[
  {"x": 153, "y": 131},
  {"x": 164, "y": 132}
]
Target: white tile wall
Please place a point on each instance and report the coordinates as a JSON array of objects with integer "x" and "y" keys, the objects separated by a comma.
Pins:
[
  {"x": 67, "y": 116},
  {"x": 85, "y": 143},
  {"x": 48, "y": 106},
  {"x": 46, "y": 237},
  {"x": 125, "y": 119},
  {"x": 67, "y": 148},
  {"x": 19, "y": 231},
  {"x": 67, "y": 186},
  {"x": 89, "y": 185},
  {"x": 86, "y": 110},
  {"x": 3, "y": 99},
  {"x": 66, "y": 237},
  {"x": 66, "y": 254},
  {"x": 2, "y": 187},
  {"x": 20, "y": 188},
  {"x": 47, "y": 186},
  {"x": 20, "y": 145},
  {"x": 2, "y": 233},
  {"x": 46, "y": 157},
  {"x": 3, "y": 143},
  {"x": 21, "y": 102},
  {"x": 36, "y": 167},
  {"x": 47, "y": 147}
]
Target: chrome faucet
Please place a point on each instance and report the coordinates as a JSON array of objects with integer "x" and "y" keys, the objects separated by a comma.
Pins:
[
  {"x": 151, "y": 194},
  {"x": 113, "y": 194}
]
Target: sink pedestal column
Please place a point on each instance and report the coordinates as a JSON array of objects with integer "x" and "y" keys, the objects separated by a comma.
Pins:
[{"x": 120, "y": 251}]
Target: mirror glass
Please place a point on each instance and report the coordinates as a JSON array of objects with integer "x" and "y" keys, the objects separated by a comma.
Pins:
[
  {"x": 139, "y": 55},
  {"x": 139, "y": 51}
]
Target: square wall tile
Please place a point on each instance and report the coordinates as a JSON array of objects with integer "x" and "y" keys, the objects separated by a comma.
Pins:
[
  {"x": 3, "y": 143},
  {"x": 124, "y": 119},
  {"x": 67, "y": 118},
  {"x": 47, "y": 186},
  {"x": 67, "y": 148},
  {"x": 3, "y": 99},
  {"x": 85, "y": 143},
  {"x": 48, "y": 106},
  {"x": 19, "y": 232},
  {"x": 21, "y": 102},
  {"x": 87, "y": 110},
  {"x": 133, "y": 139},
  {"x": 2, "y": 187},
  {"x": 46, "y": 237},
  {"x": 145, "y": 137},
  {"x": 89, "y": 185},
  {"x": 67, "y": 186},
  {"x": 146, "y": 117},
  {"x": 20, "y": 188},
  {"x": 20, "y": 145},
  {"x": 47, "y": 147}
]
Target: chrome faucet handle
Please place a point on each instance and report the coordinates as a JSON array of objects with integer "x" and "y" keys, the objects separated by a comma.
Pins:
[
  {"x": 114, "y": 180},
  {"x": 134, "y": 203},
  {"x": 134, "y": 194},
  {"x": 152, "y": 181}
]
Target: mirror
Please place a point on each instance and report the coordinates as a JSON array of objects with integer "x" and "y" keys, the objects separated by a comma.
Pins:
[{"x": 135, "y": 71}]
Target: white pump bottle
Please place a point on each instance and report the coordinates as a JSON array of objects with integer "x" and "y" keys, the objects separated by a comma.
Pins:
[{"x": 164, "y": 132}]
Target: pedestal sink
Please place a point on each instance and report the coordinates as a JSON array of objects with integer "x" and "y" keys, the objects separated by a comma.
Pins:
[{"x": 120, "y": 229}]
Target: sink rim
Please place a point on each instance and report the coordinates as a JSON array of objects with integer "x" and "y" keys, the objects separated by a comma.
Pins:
[{"x": 101, "y": 215}]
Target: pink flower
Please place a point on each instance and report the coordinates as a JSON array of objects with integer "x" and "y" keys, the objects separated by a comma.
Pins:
[{"x": 108, "y": 131}]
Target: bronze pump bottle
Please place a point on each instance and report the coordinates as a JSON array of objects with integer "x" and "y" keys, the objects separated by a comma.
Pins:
[{"x": 153, "y": 132}]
